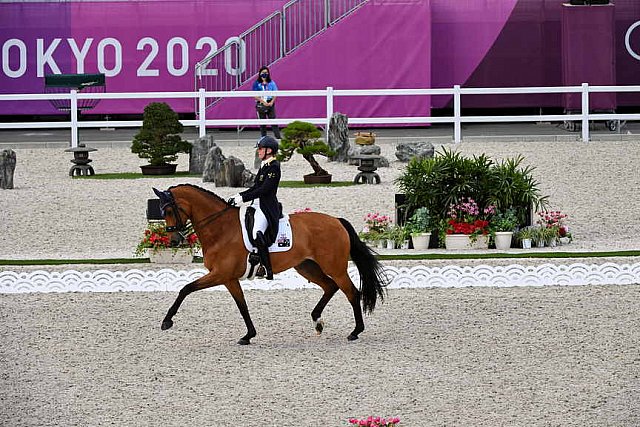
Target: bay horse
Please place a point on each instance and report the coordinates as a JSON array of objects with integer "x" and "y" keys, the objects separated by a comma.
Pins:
[{"x": 321, "y": 248}]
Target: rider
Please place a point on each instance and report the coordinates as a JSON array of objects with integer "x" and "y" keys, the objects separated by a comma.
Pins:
[{"x": 262, "y": 196}]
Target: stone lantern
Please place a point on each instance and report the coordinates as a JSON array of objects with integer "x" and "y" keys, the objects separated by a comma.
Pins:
[{"x": 81, "y": 160}]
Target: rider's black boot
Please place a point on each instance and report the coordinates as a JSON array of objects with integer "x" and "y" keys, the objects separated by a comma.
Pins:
[{"x": 263, "y": 251}]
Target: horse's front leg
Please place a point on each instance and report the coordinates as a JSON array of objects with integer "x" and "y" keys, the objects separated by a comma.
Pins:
[
  {"x": 238, "y": 296},
  {"x": 203, "y": 282}
]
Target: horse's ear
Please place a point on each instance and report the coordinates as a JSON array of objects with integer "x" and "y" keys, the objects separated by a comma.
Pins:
[{"x": 158, "y": 192}]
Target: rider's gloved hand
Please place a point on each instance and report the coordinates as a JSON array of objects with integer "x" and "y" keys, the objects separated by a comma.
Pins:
[{"x": 235, "y": 200}]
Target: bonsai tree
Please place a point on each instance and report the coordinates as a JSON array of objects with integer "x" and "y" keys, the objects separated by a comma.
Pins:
[
  {"x": 159, "y": 139},
  {"x": 304, "y": 138}
]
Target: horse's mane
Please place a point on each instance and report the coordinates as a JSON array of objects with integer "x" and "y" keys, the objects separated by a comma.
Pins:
[{"x": 204, "y": 190}]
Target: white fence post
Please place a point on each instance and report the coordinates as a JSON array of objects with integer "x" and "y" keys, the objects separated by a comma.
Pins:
[
  {"x": 202, "y": 117},
  {"x": 329, "y": 111},
  {"x": 457, "y": 127},
  {"x": 74, "y": 118},
  {"x": 585, "y": 112}
]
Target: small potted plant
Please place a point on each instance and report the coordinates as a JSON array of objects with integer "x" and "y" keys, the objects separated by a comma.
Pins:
[
  {"x": 159, "y": 139},
  {"x": 156, "y": 242},
  {"x": 304, "y": 138},
  {"x": 539, "y": 236},
  {"x": 552, "y": 234},
  {"x": 376, "y": 228},
  {"x": 525, "y": 236},
  {"x": 502, "y": 226},
  {"x": 419, "y": 226}
]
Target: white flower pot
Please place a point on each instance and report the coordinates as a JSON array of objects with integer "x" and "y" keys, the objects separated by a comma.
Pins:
[
  {"x": 503, "y": 240},
  {"x": 382, "y": 243},
  {"x": 421, "y": 240},
  {"x": 526, "y": 243},
  {"x": 171, "y": 256},
  {"x": 405, "y": 244},
  {"x": 391, "y": 244}
]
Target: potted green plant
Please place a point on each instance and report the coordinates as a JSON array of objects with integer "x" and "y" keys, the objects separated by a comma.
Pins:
[
  {"x": 502, "y": 225},
  {"x": 539, "y": 236},
  {"x": 551, "y": 235},
  {"x": 525, "y": 236},
  {"x": 159, "y": 139},
  {"x": 419, "y": 226},
  {"x": 304, "y": 138}
]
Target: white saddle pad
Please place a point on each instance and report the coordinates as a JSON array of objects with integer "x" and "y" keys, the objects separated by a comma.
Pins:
[{"x": 284, "y": 238}]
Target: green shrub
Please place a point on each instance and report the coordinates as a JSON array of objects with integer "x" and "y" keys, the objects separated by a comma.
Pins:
[
  {"x": 159, "y": 139},
  {"x": 444, "y": 180}
]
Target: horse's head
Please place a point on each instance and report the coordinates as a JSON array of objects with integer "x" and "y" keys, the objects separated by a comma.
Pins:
[{"x": 174, "y": 216}]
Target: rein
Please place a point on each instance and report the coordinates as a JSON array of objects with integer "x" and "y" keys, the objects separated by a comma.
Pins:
[
  {"x": 180, "y": 226},
  {"x": 213, "y": 217}
]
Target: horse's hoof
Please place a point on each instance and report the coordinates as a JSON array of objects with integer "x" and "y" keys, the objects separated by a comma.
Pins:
[
  {"x": 244, "y": 341},
  {"x": 319, "y": 326},
  {"x": 352, "y": 337},
  {"x": 166, "y": 324}
]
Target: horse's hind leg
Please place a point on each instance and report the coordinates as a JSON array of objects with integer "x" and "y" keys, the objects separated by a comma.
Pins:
[
  {"x": 238, "y": 296},
  {"x": 312, "y": 272},
  {"x": 353, "y": 295}
]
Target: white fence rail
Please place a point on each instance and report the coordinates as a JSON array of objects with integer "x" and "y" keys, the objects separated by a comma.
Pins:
[{"x": 329, "y": 93}]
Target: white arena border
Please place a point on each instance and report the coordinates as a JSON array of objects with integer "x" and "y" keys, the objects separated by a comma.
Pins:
[{"x": 401, "y": 277}]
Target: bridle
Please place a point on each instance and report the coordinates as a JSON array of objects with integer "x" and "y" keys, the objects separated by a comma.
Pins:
[{"x": 182, "y": 228}]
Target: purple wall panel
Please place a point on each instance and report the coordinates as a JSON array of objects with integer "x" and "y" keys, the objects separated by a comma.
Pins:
[
  {"x": 347, "y": 57},
  {"x": 588, "y": 53},
  {"x": 475, "y": 44}
]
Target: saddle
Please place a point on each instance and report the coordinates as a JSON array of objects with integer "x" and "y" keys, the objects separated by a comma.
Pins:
[{"x": 283, "y": 240}]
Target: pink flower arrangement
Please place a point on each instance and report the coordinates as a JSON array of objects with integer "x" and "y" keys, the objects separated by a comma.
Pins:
[
  {"x": 375, "y": 422},
  {"x": 550, "y": 219},
  {"x": 302, "y": 210},
  {"x": 465, "y": 218},
  {"x": 376, "y": 222}
]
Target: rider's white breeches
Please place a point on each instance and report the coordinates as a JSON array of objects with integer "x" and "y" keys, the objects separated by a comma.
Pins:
[{"x": 259, "y": 220}]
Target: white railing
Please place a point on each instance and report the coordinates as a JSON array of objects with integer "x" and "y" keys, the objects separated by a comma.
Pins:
[{"x": 584, "y": 116}]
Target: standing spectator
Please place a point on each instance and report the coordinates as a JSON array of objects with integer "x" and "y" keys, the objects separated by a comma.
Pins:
[{"x": 265, "y": 105}]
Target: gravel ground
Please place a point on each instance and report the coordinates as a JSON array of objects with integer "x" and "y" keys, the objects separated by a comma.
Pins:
[
  {"x": 554, "y": 356},
  {"x": 63, "y": 217},
  {"x": 557, "y": 356}
]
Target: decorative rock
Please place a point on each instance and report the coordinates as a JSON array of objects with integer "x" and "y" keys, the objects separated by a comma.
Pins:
[
  {"x": 7, "y": 167},
  {"x": 212, "y": 164},
  {"x": 198, "y": 155},
  {"x": 339, "y": 137},
  {"x": 226, "y": 172},
  {"x": 405, "y": 151}
]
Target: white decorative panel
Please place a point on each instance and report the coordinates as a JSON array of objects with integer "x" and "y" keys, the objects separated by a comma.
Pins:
[{"x": 403, "y": 277}]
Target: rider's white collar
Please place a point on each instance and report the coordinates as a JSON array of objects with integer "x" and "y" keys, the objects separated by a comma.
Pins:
[{"x": 267, "y": 161}]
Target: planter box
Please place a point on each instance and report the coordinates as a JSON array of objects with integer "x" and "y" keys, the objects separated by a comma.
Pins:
[
  {"x": 463, "y": 241},
  {"x": 317, "y": 179},
  {"x": 167, "y": 169},
  {"x": 169, "y": 256}
]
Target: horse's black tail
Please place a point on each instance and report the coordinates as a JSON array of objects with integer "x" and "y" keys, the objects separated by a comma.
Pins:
[{"x": 372, "y": 277}]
